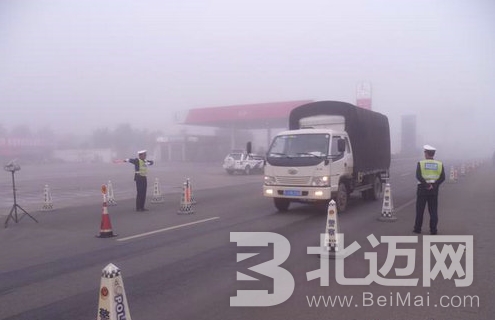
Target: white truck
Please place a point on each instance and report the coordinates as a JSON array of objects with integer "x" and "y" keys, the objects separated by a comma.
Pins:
[
  {"x": 331, "y": 149},
  {"x": 243, "y": 162}
]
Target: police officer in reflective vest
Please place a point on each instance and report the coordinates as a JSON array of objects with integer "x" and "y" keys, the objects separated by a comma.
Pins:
[
  {"x": 430, "y": 174},
  {"x": 140, "y": 172}
]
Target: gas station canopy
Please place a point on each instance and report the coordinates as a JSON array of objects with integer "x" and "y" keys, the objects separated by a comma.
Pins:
[{"x": 248, "y": 116}]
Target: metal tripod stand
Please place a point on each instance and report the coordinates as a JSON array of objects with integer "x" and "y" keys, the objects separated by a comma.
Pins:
[{"x": 13, "y": 212}]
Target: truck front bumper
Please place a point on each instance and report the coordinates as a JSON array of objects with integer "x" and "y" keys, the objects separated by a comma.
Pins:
[{"x": 298, "y": 193}]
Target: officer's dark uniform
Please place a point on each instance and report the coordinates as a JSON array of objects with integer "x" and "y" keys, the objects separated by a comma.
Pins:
[
  {"x": 430, "y": 174},
  {"x": 140, "y": 171}
]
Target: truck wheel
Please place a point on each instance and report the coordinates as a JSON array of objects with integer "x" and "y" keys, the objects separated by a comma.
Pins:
[
  {"x": 281, "y": 204},
  {"x": 342, "y": 198},
  {"x": 376, "y": 192},
  {"x": 247, "y": 170}
]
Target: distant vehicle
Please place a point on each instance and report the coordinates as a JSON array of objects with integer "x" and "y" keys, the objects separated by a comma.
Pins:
[
  {"x": 239, "y": 161},
  {"x": 331, "y": 149}
]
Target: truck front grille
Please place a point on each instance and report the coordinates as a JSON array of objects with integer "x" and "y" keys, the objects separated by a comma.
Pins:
[{"x": 293, "y": 181}]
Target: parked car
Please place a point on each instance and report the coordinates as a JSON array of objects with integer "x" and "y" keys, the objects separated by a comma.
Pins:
[{"x": 242, "y": 162}]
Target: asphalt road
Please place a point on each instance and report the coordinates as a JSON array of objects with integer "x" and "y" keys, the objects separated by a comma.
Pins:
[{"x": 184, "y": 266}]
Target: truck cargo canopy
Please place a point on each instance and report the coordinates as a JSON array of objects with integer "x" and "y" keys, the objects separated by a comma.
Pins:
[{"x": 368, "y": 131}]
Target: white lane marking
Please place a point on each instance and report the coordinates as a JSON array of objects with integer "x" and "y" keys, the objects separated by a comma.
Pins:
[
  {"x": 167, "y": 229},
  {"x": 406, "y": 174},
  {"x": 405, "y": 205}
]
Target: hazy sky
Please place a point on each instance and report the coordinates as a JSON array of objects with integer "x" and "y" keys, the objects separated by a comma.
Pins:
[{"x": 77, "y": 65}]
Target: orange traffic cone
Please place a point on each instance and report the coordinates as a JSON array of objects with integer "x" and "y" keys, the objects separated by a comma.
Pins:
[{"x": 106, "y": 225}]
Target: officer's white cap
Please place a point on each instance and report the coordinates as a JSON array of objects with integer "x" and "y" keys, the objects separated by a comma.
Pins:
[
  {"x": 429, "y": 148},
  {"x": 142, "y": 151}
]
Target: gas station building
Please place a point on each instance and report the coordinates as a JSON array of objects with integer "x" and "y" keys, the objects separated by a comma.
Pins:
[{"x": 228, "y": 123}]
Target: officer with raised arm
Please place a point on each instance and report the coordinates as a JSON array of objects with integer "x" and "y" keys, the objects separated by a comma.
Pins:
[{"x": 140, "y": 172}]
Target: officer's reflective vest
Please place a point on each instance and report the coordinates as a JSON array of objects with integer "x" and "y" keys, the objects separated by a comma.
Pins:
[
  {"x": 143, "y": 168},
  {"x": 430, "y": 170}
]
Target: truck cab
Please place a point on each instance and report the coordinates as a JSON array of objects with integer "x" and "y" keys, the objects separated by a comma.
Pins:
[{"x": 307, "y": 166}]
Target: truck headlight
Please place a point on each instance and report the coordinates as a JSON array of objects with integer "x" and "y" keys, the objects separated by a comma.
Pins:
[
  {"x": 321, "y": 181},
  {"x": 269, "y": 180}
]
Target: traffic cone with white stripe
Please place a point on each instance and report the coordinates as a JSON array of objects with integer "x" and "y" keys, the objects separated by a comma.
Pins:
[
  {"x": 105, "y": 226},
  {"x": 185, "y": 203},
  {"x": 157, "y": 194},
  {"x": 111, "y": 198},
  {"x": 112, "y": 303},
  {"x": 47, "y": 202},
  {"x": 388, "y": 214}
]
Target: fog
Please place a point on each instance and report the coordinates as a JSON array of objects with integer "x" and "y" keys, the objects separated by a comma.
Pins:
[{"x": 76, "y": 66}]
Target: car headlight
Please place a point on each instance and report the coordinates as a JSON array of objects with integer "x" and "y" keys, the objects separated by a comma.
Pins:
[
  {"x": 321, "y": 181},
  {"x": 269, "y": 180}
]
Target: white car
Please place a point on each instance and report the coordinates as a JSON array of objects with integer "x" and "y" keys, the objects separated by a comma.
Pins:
[{"x": 243, "y": 163}]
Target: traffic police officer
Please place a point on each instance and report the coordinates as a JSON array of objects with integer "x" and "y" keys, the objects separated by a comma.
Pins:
[
  {"x": 140, "y": 171},
  {"x": 430, "y": 174}
]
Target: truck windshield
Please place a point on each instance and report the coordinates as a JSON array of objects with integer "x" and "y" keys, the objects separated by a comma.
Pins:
[{"x": 300, "y": 145}]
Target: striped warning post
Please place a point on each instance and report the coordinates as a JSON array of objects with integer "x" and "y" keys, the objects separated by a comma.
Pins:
[
  {"x": 157, "y": 193},
  {"x": 452, "y": 175},
  {"x": 47, "y": 199},
  {"x": 112, "y": 303},
  {"x": 111, "y": 198},
  {"x": 388, "y": 214},
  {"x": 331, "y": 243},
  {"x": 186, "y": 203},
  {"x": 193, "y": 199}
]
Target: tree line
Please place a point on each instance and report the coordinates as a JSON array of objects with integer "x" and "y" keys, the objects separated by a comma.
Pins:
[{"x": 123, "y": 139}]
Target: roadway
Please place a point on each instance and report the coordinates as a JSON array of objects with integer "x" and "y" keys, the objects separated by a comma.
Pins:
[{"x": 184, "y": 266}]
